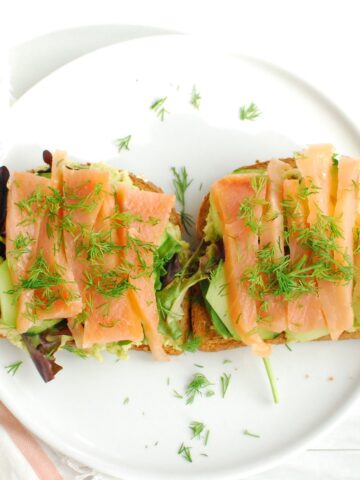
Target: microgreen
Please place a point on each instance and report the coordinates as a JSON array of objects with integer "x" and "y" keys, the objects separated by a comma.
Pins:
[{"x": 196, "y": 387}]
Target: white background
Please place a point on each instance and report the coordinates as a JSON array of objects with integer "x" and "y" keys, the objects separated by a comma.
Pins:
[{"x": 317, "y": 40}]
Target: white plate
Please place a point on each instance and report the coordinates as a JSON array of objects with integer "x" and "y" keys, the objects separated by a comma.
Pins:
[{"x": 83, "y": 108}]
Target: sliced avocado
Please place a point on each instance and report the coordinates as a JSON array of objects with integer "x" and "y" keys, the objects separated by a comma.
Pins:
[
  {"x": 7, "y": 300},
  {"x": 212, "y": 230},
  {"x": 216, "y": 320},
  {"x": 267, "y": 334},
  {"x": 44, "y": 325},
  {"x": 8, "y": 304},
  {"x": 356, "y": 299},
  {"x": 306, "y": 336},
  {"x": 217, "y": 298}
]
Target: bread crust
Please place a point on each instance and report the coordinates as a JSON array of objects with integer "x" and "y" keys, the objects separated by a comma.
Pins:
[{"x": 202, "y": 325}]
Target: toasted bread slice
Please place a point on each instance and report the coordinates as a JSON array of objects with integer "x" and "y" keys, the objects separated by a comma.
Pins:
[
  {"x": 185, "y": 321},
  {"x": 202, "y": 325}
]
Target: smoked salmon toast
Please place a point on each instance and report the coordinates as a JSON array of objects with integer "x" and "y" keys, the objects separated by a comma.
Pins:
[
  {"x": 281, "y": 248},
  {"x": 94, "y": 261}
]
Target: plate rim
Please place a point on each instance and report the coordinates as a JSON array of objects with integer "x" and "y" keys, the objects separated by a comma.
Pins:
[{"x": 274, "y": 459}]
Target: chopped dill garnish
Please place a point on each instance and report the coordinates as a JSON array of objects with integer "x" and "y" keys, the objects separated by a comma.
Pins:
[
  {"x": 126, "y": 401},
  {"x": 288, "y": 347},
  {"x": 356, "y": 232},
  {"x": 153, "y": 221},
  {"x": 13, "y": 367},
  {"x": 191, "y": 345},
  {"x": 209, "y": 393},
  {"x": 258, "y": 183},
  {"x": 195, "y": 98},
  {"x": 206, "y": 439},
  {"x": 198, "y": 365},
  {"x": 227, "y": 361},
  {"x": 33, "y": 202},
  {"x": 249, "y": 434},
  {"x": 177, "y": 394},
  {"x": 197, "y": 428},
  {"x": 225, "y": 380},
  {"x": 158, "y": 107},
  {"x": 185, "y": 452},
  {"x": 88, "y": 202},
  {"x": 306, "y": 189},
  {"x": 181, "y": 183},
  {"x": 196, "y": 387},
  {"x": 21, "y": 245},
  {"x": 123, "y": 143},
  {"x": 251, "y": 207},
  {"x": 250, "y": 112},
  {"x": 168, "y": 381},
  {"x": 335, "y": 159},
  {"x": 41, "y": 275}
]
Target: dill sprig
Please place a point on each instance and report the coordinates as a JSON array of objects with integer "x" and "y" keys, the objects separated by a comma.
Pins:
[
  {"x": 87, "y": 202},
  {"x": 271, "y": 378},
  {"x": 96, "y": 245},
  {"x": 41, "y": 275},
  {"x": 250, "y": 112},
  {"x": 250, "y": 434},
  {"x": 21, "y": 245},
  {"x": 197, "y": 428},
  {"x": 123, "y": 143},
  {"x": 195, "y": 98},
  {"x": 192, "y": 344},
  {"x": 185, "y": 452},
  {"x": 13, "y": 367},
  {"x": 181, "y": 183},
  {"x": 158, "y": 107},
  {"x": 31, "y": 207},
  {"x": 196, "y": 387},
  {"x": 251, "y": 207},
  {"x": 177, "y": 394},
  {"x": 224, "y": 381}
]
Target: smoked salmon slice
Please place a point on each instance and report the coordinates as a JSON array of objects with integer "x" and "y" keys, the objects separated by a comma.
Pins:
[
  {"x": 241, "y": 238},
  {"x": 272, "y": 234},
  {"x": 304, "y": 313},
  {"x": 340, "y": 295},
  {"x": 24, "y": 216},
  {"x": 83, "y": 192},
  {"x": 42, "y": 249},
  {"x": 112, "y": 318},
  {"x": 151, "y": 212},
  {"x": 315, "y": 165}
]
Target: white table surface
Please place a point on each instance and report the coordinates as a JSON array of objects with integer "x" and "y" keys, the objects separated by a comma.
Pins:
[{"x": 318, "y": 40}]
